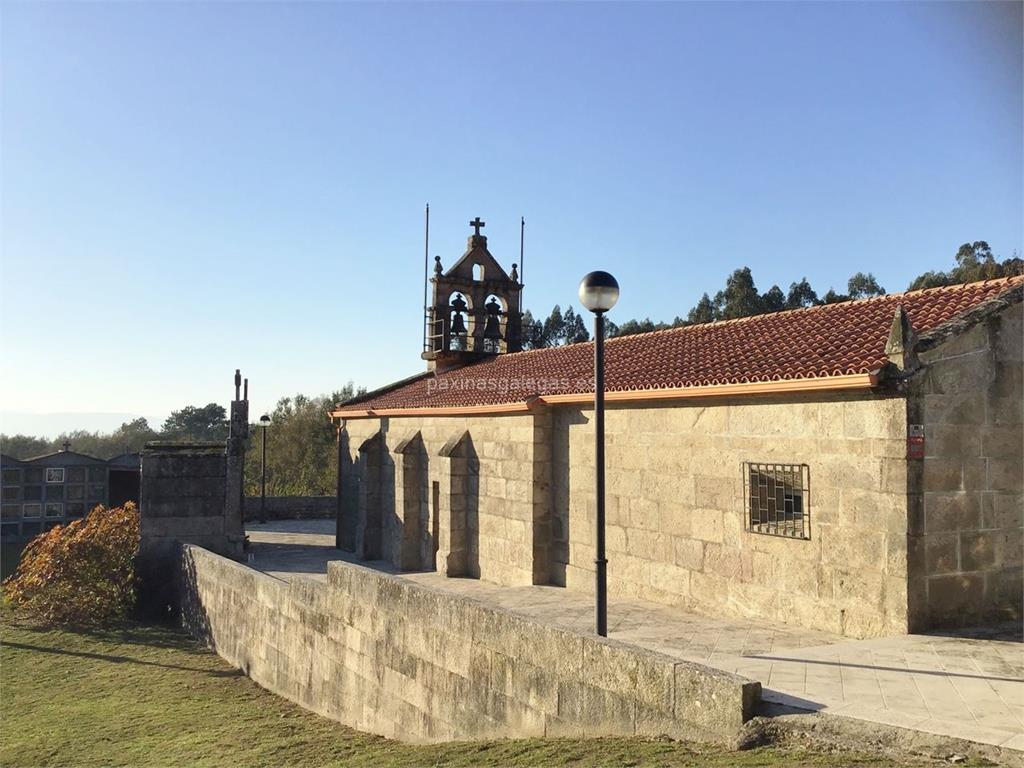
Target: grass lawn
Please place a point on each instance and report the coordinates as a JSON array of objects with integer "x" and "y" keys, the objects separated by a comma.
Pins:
[{"x": 149, "y": 696}]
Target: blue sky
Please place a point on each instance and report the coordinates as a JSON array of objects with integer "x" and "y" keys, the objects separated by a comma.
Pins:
[{"x": 189, "y": 188}]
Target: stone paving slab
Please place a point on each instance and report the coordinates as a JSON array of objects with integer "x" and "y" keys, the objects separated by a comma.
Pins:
[{"x": 969, "y": 685}]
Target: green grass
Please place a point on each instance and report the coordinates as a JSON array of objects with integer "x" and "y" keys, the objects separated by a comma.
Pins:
[{"x": 149, "y": 696}]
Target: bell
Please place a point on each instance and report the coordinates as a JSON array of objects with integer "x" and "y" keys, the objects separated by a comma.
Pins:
[
  {"x": 492, "y": 328},
  {"x": 458, "y": 324}
]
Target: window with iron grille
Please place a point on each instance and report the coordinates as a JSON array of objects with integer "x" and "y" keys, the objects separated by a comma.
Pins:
[{"x": 777, "y": 499}]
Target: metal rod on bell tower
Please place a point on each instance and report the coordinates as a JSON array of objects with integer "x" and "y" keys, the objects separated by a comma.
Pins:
[
  {"x": 426, "y": 261},
  {"x": 522, "y": 232}
]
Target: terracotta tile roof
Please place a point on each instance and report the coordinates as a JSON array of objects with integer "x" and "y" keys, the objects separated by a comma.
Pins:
[{"x": 831, "y": 340}]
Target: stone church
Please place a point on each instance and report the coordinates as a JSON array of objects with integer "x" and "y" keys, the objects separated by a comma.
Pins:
[{"x": 854, "y": 467}]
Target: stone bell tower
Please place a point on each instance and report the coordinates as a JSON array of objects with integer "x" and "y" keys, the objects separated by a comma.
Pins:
[{"x": 476, "y": 310}]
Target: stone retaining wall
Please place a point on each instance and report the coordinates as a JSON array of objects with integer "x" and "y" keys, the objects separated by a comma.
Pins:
[
  {"x": 403, "y": 660},
  {"x": 292, "y": 507}
]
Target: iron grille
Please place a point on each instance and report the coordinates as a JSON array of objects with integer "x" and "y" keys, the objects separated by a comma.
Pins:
[{"x": 777, "y": 499}]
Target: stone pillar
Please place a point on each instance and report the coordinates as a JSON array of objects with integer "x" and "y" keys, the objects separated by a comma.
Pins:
[
  {"x": 543, "y": 545},
  {"x": 339, "y": 532},
  {"x": 458, "y": 529},
  {"x": 348, "y": 494},
  {"x": 368, "y": 519},
  {"x": 411, "y": 510}
]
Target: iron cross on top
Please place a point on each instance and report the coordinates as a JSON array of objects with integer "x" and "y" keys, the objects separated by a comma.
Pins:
[{"x": 476, "y": 224}]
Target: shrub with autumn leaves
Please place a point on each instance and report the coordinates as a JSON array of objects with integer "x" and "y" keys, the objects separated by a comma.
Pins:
[{"x": 80, "y": 573}]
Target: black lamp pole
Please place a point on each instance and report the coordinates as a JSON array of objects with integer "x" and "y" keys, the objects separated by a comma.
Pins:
[
  {"x": 600, "y": 562},
  {"x": 598, "y": 292}
]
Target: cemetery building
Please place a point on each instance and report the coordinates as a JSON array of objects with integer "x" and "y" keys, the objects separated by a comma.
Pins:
[
  {"x": 55, "y": 488},
  {"x": 853, "y": 467}
]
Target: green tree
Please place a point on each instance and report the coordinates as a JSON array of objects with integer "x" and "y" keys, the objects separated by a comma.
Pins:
[
  {"x": 740, "y": 297},
  {"x": 574, "y": 329},
  {"x": 801, "y": 295},
  {"x": 704, "y": 311},
  {"x": 24, "y": 446},
  {"x": 533, "y": 332},
  {"x": 773, "y": 300},
  {"x": 631, "y": 327},
  {"x": 557, "y": 329},
  {"x": 974, "y": 261},
  {"x": 863, "y": 286},
  {"x": 301, "y": 447},
  {"x": 208, "y": 423},
  {"x": 554, "y": 327},
  {"x": 831, "y": 297},
  {"x": 930, "y": 279}
]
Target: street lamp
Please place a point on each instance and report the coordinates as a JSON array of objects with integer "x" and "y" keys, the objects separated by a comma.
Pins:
[
  {"x": 264, "y": 423},
  {"x": 598, "y": 292}
]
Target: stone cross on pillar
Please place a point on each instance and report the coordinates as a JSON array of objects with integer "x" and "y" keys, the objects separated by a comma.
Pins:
[{"x": 476, "y": 224}]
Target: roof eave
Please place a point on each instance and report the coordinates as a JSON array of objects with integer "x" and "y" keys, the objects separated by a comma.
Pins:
[{"x": 845, "y": 382}]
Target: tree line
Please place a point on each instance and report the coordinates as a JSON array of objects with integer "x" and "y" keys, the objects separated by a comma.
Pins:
[
  {"x": 301, "y": 450},
  {"x": 193, "y": 423},
  {"x": 741, "y": 298},
  {"x": 301, "y": 447}
]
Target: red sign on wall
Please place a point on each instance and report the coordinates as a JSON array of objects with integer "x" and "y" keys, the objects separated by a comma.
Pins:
[{"x": 915, "y": 441}]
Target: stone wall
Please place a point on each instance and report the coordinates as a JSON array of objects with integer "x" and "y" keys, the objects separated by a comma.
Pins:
[
  {"x": 675, "y": 503},
  {"x": 677, "y": 524},
  {"x": 183, "y": 496},
  {"x": 389, "y": 656},
  {"x": 491, "y": 493},
  {"x": 292, "y": 507},
  {"x": 967, "y": 503}
]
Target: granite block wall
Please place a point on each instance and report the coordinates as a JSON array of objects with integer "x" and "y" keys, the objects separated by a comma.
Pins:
[
  {"x": 677, "y": 522},
  {"x": 500, "y": 499},
  {"x": 183, "y": 497},
  {"x": 967, "y": 521},
  {"x": 406, "y": 661},
  {"x": 292, "y": 507}
]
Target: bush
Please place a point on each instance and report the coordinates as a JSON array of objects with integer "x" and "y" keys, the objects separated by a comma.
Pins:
[{"x": 81, "y": 573}]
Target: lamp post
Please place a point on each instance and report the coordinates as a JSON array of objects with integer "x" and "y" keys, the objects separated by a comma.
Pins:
[
  {"x": 598, "y": 292},
  {"x": 264, "y": 423}
]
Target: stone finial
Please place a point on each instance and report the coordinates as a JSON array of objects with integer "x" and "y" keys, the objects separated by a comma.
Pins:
[
  {"x": 514, "y": 274},
  {"x": 437, "y": 265},
  {"x": 900, "y": 348}
]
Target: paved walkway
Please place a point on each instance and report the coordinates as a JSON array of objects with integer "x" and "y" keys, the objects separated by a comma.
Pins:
[{"x": 969, "y": 685}]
